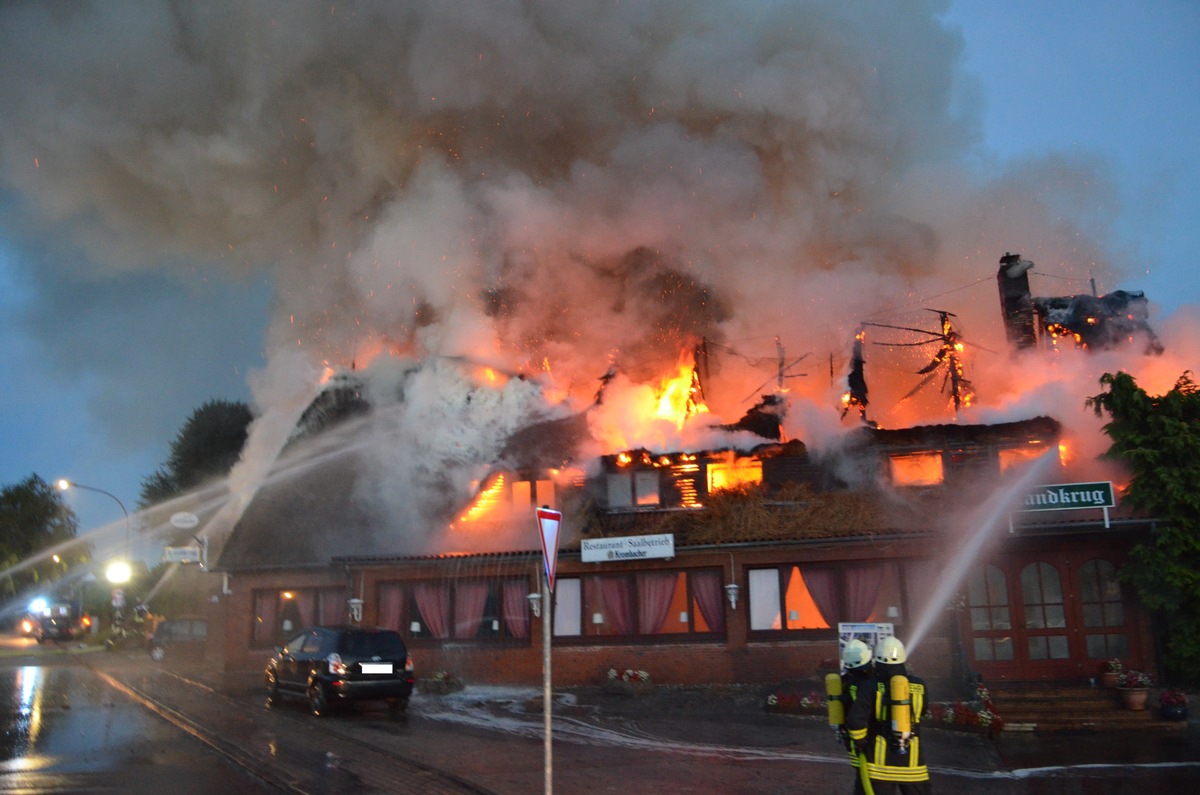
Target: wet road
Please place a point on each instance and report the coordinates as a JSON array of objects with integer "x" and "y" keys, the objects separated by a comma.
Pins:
[
  {"x": 116, "y": 722},
  {"x": 66, "y": 730}
]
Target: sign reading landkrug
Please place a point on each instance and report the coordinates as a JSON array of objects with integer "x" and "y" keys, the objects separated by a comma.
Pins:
[
  {"x": 1067, "y": 496},
  {"x": 600, "y": 550}
]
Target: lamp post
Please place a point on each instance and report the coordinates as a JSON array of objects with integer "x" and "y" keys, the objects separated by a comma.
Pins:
[{"x": 118, "y": 571}]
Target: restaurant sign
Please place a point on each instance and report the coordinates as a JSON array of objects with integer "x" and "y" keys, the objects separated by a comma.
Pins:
[
  {"x": 1069, "y": 496},
  {"x": 603, "y": 550}
]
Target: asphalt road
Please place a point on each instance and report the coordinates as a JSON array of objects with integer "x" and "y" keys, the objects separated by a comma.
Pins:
[{"x": 117, "y": 722}]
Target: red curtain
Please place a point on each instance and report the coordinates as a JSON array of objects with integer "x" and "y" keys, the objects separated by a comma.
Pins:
[
  {"x": 387, "y": 610},
  {"x": 823, "y": 588},
  {"x": 615, "y": 597},
  {"x": 706, "y": 590},
  {"x": 863, "y": 581},
  {"x": 433, "y": 601},
  {"x": 266, "y": 625},
  {"x": 516, "y": 608},
  {"x": 654, "y": 600},
  {"x": 469, "y": 601}
]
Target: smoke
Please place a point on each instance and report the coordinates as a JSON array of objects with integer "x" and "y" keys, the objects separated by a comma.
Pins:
[{"x": 542, "y": 187}]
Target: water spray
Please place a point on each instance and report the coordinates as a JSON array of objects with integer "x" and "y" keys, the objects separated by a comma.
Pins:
[{"x": 990, "y": 515}]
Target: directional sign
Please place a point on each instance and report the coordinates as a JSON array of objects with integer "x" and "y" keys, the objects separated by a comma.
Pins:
[
  {"x": 549, "y": 523},
  {"x": 181, "y": 555}
]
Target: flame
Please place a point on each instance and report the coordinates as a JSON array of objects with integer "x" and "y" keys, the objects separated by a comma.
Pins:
[
  {"x": 679, "y": 395},
  {"x": 731, "y": 474},
  {"x": 486, "y": 501}
]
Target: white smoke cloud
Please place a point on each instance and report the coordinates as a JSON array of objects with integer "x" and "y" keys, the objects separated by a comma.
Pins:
[{"x": 536, "y": 185}]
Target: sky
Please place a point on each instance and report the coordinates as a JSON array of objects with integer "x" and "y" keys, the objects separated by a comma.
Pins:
[{"x": 148, "y": 262}]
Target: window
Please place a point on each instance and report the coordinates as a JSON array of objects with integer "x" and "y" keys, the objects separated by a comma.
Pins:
[
  {"x": 459, "y": 610},
  {"x": 917, "y": 469},
  {"x": 1041, "y": 590},
  {"x": 1100, "y": 596},
  {"x": 638, "y": 489},
  {"x": 987, "y": 603},
  {"x": 642, "y": 604},
  {"x": 733, "y": 474},
  {"x": 279, "y": 614},
  {"x": 1015, "y": 456},
  {"x": 819, "y": 596}
]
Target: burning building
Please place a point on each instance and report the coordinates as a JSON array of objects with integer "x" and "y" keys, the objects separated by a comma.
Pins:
[
  {"x": 1089, "y": 321},
  {"x": 772, "y": 545}
]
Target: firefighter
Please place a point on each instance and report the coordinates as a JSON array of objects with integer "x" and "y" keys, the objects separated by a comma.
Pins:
[
  {"x": 841, "y": 690},
  {"x": 884, "y": 724}
]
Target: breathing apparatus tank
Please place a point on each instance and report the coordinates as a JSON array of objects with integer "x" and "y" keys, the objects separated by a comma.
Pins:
[
  {"x": 900, "y": 710},
  {"x": 833, "y": 698},
  {"x": 890, "y": 651}
]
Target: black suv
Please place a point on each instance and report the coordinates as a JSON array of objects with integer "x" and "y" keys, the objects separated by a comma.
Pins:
[
  {"x": 333, "y": 665},
  {"x": 54, "y": 628},
  {"x": 177, "y": 637}
]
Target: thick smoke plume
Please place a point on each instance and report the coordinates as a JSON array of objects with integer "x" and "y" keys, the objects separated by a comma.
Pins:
[{"x": 543, "y": 188}]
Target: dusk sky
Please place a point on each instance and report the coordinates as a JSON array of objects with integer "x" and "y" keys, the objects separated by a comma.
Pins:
[{"x": 112, "y": 342}]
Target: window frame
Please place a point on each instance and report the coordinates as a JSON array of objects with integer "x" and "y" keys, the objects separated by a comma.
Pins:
[
  {"x": 818, "y": 633},
  {"x": 583, "y": 610},
  {"x": 409, "y": 612}
]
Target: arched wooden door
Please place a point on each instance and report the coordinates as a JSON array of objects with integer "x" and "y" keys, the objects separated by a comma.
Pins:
[{"x": 1047, "y": 618}]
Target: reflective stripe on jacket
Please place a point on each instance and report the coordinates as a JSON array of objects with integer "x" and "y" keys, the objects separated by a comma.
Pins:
[{"x": 870, "y": 719}]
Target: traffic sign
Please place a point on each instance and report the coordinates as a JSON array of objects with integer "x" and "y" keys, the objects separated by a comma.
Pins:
[{"x": 549, "y": 524}]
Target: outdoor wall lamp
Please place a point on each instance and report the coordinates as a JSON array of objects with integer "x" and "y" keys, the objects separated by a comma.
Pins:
[
  {"x": 731, "y": 590},
  {"x": 535, "y": 604}
]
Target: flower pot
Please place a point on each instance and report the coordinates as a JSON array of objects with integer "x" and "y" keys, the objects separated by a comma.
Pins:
[
  {"x": 1134, "y": 697},
  {"x": 1109, "y": 678},
  {"x": 1174, "y": 711}
]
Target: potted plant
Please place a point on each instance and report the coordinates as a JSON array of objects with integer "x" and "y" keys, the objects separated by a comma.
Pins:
[
  {"x": 630, "y": 682},
  {"x": 1134, "y": 686},
  {"x": 1173, "y": 704},
  {"x": 1110, "y": 672}
]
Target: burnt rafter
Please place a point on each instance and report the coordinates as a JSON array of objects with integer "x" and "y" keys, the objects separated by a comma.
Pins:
[
  {"x": 947, "y": 358},
  {"x": 856, "y": 379}
]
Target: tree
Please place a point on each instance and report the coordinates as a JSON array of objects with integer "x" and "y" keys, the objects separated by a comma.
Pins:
[
  {"x": 207, "y": 446},
  {"x": 1158, "y": 439},
  {"x": 34, "y": 518}
]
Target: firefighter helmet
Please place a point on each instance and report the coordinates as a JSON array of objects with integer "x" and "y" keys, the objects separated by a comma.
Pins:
[
  {"x": 856, "y": 654},
  {"x": 890, "y": 651}
]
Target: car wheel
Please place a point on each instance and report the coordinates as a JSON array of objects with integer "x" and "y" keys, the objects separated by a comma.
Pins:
[
  {"x": 317, "y": 703},
  {"x": 157, "y": 653},
  {"x": 272, "y": 690},
  {"x": 397, "y": 706}
]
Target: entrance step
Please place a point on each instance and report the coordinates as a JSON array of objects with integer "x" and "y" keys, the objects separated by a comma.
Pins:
[{"x": 1056, "y": 707}]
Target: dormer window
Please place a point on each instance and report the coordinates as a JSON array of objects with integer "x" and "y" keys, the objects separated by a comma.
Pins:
[{"x": 917, "y": 469}]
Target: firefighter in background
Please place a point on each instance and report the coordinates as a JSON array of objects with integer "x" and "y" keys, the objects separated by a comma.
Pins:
[
  {"x": 840, "y": 692},
  {"x": 884, "y": 724}
]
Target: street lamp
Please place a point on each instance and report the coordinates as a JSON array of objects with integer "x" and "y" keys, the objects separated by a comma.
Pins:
[{"x": 118, "y": 571}]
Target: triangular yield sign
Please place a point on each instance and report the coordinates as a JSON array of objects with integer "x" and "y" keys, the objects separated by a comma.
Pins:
[{"x": 549, "y": 523}]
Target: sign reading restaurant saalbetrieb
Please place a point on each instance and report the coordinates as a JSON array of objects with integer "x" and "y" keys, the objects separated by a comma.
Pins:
[
  {"x": 599, "y": 550},
  {"x": 1066, "y": 496}
]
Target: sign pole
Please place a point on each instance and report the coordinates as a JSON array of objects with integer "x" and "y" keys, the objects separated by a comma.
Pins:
[
  {"x": 549, "y": 524},
  {"x": 547, "y": 601}
]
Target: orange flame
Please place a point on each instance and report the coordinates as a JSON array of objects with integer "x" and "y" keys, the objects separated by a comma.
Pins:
[
  {"x": 679, "y": 395},
  {"x": 486, "y": 501}
]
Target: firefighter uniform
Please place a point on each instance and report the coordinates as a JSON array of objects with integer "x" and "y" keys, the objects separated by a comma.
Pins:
[
  {"x": 856, "y": 661},
  {"x": 893, "y": 766}
]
